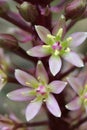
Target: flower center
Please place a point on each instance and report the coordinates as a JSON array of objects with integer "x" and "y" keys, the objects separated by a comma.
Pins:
[
  {"x": 41, "y": 90},
  {"x": 56, "y": 46}
]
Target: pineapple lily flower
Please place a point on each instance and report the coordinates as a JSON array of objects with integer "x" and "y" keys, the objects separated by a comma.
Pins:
[
  {"x": 79, "y": 85},
  {"x": 57, "y": 48},
  {"x": 37, "y": 91}
]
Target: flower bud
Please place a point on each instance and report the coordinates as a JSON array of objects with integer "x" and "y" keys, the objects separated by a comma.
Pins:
[
  {"x": 8, "y": 41},
  {"x": 75, "y": 9},
  {"x": 4, "y": 7},
  {"x": 28, "y": 12}
]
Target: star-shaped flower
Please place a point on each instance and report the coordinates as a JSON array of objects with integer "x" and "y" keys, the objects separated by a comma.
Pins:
[
  {"x": 79, "y": 85},
  {"x": 57, "y": 48},
  {"x": 37, "y": 91}
]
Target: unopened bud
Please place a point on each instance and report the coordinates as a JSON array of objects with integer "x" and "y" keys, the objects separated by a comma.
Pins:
[
  {"x": 4, "y": 6},
  {"x": 28, "y": 12},
  {"x": 75, "y": 9},
  {"x": 8, "y": 41}
]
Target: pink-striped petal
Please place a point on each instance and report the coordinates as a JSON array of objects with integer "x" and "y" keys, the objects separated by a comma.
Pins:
[
  {"x": 41, "y": 73},
  {"x": 74, "y": 59},
  {"x": 42, "y": 32},
  {"x": 75, "y": 104},
  {"x": 53, "y": 106},
  {"x": 78, "y": 38},
  {"x": 76, "y": 84},
  {"x": 38, "y": 51},
  {"x": 25, "y": 78},
  {"x": 55, "y": 64},
  {"x": 32, "y": 109},
  {"x": 57, "y": 86},
  {"x": 20, "y": 95}
]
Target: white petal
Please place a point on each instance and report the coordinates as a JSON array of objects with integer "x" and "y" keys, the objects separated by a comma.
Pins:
[
  {"x": 42, "y": 32},
  {"x": 20, "y": 95},
  {"x": 53, "y": 106},
  {"x": 57, "y": 86},
  {"x": 74, "y": 104},
  {"x": 32, "y": 109},
  {"x": 55, "y": 64},
  {"x": 25, "y": 78},
  {"x": 41, "y": 73},
  {"x": 76, "y": 84},
  {"x": 38, "y": 51},
  {"x": 78, "y": 38},
  {"x": 74, "y": 59}
]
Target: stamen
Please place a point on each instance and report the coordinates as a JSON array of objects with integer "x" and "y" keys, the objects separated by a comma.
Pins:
[
  {"x": 85, "y": 101},
  {"x": 67, "y": 50},
  {"x": 46, "y": 46},
  {"x": 69, "y": 39},
  {"x": 25, "y": 93},
  {"x": 60, "y": 32},
  {"x": 27, "y": 83},
  {"x": 50, "y": 36}
]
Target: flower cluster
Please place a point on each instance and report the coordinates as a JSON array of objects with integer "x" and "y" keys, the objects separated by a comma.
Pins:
[
  {"x": 43, "y": 85},
  {"x": 37, "y": 89}
]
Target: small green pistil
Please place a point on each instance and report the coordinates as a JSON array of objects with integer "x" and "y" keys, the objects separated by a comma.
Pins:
[{"x": 41, "y": 90}]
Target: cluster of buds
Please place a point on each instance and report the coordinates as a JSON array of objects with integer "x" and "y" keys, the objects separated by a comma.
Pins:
[
  {"x": 28, "y": 12},
  {"x": 4, "y": 7},
  {"x": 75, "y": 9}
]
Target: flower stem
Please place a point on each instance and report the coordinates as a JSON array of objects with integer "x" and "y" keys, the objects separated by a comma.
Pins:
[
  {"x": 19, "y": 51},
  {"x": 27, "y": 124},
  {"x": 79, "y": 123}
]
